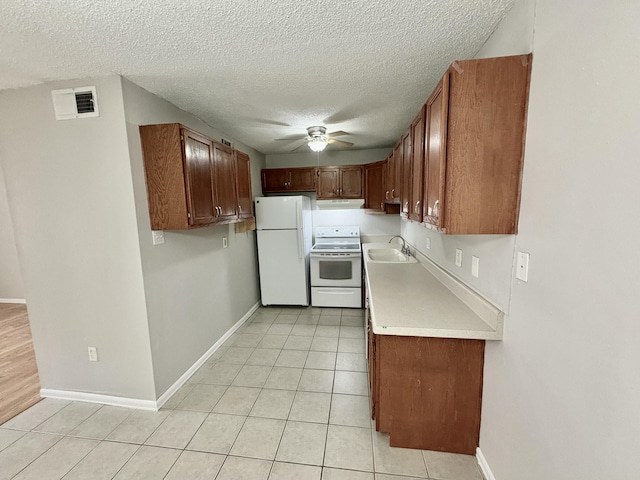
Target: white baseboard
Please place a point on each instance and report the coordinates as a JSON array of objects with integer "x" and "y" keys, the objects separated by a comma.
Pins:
[
  {"x": 187, "y": 375},
  {"x": 12, "y": 300},
  {"x": 98, "y": 398},
  {"x": 484, "y": 466},
  {"x": 146, "y": 404}
]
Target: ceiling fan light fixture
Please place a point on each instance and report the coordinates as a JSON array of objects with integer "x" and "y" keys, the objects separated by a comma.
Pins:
[{"x": 317, "y": 144}]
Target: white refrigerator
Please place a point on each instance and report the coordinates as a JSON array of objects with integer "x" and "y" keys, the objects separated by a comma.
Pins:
[{"x": 284, "y": 241}]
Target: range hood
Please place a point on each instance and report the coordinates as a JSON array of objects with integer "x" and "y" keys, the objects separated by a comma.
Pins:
[{"x": 340, "y": 204}]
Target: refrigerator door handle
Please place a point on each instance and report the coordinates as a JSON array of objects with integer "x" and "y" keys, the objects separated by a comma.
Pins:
[{"x": 299, "y": 229}]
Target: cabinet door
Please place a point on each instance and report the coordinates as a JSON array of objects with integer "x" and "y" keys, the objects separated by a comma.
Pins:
[
  {"x": 351, "y": 182},
  {"x": 328, "y": 182},
  {"x": 243, "y": 185},
  {"x": 374, "y": 183},
  {"x": 417, "y": 164},
  {"x": 302, "y": 179},
  {"x": 372, "y": 366},
  {"x": 275, "y": 180},
  {"x": 198, "y": 157},
  {"x": 390, "y": 178},
  {"x": 397, "y": 160},
  {"x": 224, "y": 182},
  {"x": 406, "y": 175},
  {"x": 437, "y": 110}
]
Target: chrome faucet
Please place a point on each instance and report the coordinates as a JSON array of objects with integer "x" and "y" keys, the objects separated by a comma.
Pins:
[{"x": 404, "y": 249}]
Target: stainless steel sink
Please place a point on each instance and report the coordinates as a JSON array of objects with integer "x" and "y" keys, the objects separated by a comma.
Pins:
[{"x": 388, "y": 255}]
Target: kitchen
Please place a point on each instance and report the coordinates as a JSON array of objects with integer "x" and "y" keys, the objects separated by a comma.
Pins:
[{"x": 558, "y": 400}]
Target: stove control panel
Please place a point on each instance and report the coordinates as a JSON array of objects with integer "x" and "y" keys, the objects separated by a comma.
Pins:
[{"x": 337, "y": 232}]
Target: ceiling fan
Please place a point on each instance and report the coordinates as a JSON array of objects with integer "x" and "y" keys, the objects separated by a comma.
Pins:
[{"x": 317, "y": 139}]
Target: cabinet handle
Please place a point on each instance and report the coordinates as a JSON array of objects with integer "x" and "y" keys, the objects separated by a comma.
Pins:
[
  {"x": 239, "y": 209},
  {"x": 406, "y": 207},
  {"x": 386, "y": 195},
  {"x": 393, "y": 192},
  {"x": 416, "y": 210},
  {"x": 436, "y": 208},
  {"x": 220, "y": 211}
]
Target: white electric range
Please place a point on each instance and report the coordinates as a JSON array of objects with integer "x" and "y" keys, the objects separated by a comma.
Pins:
[{"x": 336, "y": 267}]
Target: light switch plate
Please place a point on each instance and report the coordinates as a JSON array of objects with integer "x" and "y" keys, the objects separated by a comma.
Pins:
[
  {"x": 458, "y": 257},
  {"x": 158, "y": 237},
  {"x": 522, "y": 266},
  {"x": 225, "y": 242},
  {"x": 93, "y": 354},
  {"x": 475, "y": 266}
]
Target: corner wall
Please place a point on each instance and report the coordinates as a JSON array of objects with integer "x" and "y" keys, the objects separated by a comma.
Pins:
[
  {"x": 561, "y": 391},
  {"x": 195, "y": 289},
  {"x": 11, "y": 285},
  {"x": 71, "y": 200}
]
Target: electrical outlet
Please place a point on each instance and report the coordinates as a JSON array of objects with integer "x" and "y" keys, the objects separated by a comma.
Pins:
[
  {"x": 428, "y": 243},
  {"x": 458, "y": 257},
  {"x": 522, "y": 266},
  {"x": 475, "y": 266},
  {"x": 225, "y": 242},
  {"x": 158, "y": 237},
  {"x": 93, "y": 354}
]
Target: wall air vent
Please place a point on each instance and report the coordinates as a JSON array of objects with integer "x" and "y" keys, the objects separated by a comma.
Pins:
[{"x": 71, "y": 103}]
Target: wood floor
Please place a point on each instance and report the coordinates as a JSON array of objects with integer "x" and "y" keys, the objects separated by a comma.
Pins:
[{"x": 19, "y": 381}]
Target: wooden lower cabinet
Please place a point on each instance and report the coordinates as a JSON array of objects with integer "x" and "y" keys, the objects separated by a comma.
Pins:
[{"x": 427, "y": 392}]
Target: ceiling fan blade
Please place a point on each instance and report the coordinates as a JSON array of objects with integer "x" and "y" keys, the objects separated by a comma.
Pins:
[
  {"x": 299, "y": 147},
  {"x": 339, "y": 133},
  {"x": 290, "y": 138},
  {"x": 339, "y": 142}
]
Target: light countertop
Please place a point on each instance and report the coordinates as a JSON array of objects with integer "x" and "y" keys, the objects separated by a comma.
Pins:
[{"x": 409, "y": 300}]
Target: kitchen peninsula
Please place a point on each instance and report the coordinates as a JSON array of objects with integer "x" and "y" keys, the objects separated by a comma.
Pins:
[{"x": 426, "y": 337}]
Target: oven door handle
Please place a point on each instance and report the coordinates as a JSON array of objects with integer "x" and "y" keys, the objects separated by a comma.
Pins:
[{"x": 299, "y": 230}]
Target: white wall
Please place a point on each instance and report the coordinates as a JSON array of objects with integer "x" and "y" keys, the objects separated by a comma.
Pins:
[
  {"x": 71, "y": 200},
  {"x": 195, "y": 289},
  {"x": 11, "y": 285},
  {"x": 307, "y": 158},
  {"x": 561, "y": 392},
  {"x": 369, "y": 224}
]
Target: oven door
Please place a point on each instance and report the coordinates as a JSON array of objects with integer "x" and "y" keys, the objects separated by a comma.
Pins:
[{"x": 336, "y": 269}]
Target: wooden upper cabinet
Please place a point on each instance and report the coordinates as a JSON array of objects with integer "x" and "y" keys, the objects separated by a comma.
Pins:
[
  {"x": 351, "y": 182},
  {"x": 274, "y": 179},
  {"x": 278, "y": 180},
  {"x": 476, "y": 120},
  {"x": 302, "y": 179},
  {"x": 390, "y": 178},
  {"x": 339, "y": 182},
  {"x": 374, "y": 183},
  {"x": 436, "y": 111},
  {"x": 198, "y": 154},
  {"x": 178, "y": 169},
  {"x": 224, "y": 174},
  {"x": 417, "y": 164},
  {"x": 396, "y": 189},
  {"x": 192, "y": 181},
  {"x": 243, "y": 185},
  {"x": 328, "y": 183},
  {"x": 405, "y": 191}
]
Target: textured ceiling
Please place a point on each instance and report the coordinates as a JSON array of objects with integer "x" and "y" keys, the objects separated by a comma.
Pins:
[{"x": 256, "y": 69}]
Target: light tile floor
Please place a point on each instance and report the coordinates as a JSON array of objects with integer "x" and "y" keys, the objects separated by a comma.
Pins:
[{"x": 286, "y": 397}]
